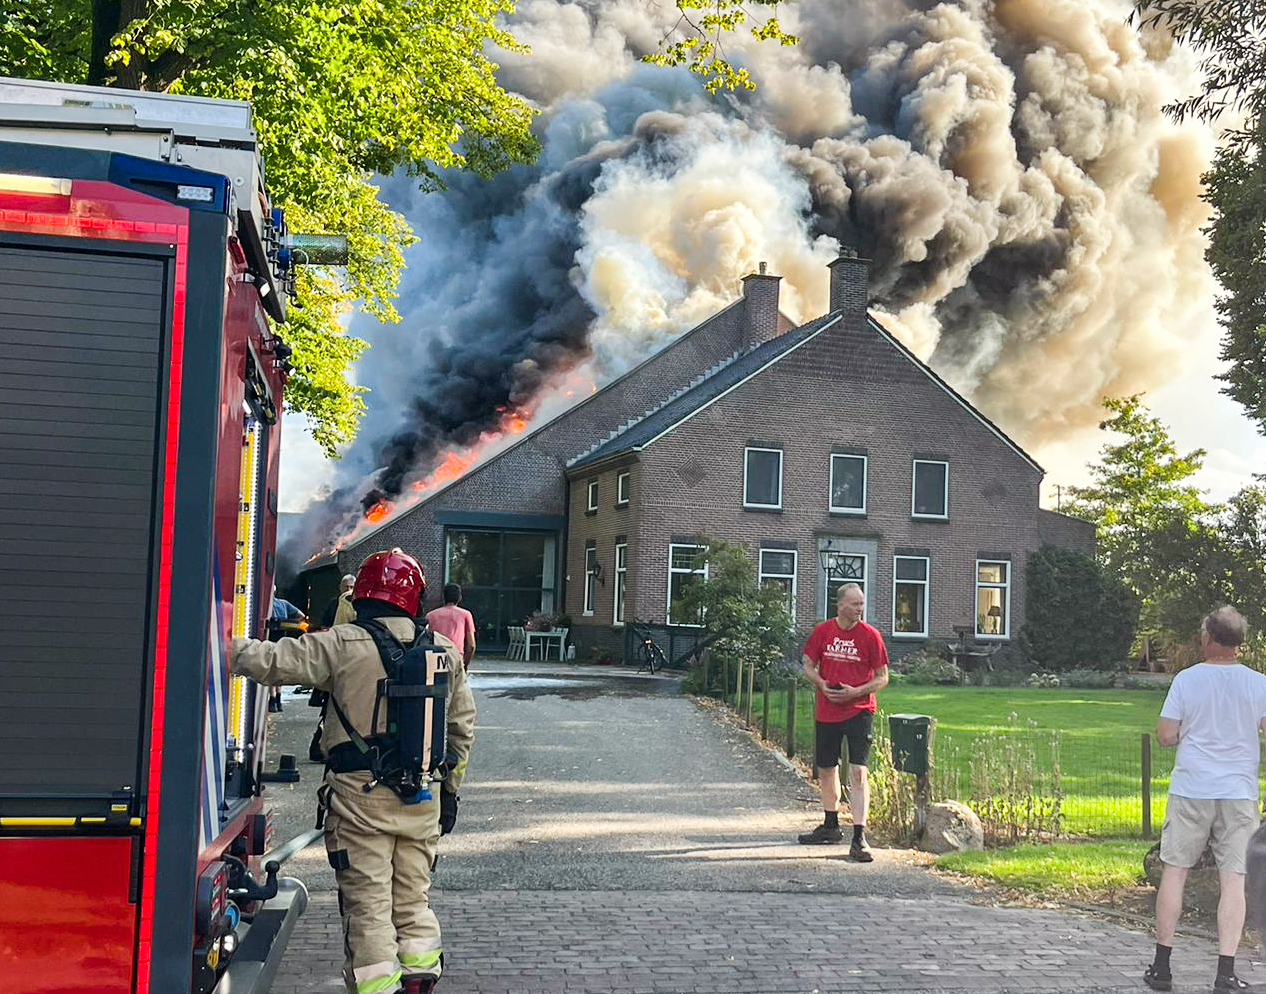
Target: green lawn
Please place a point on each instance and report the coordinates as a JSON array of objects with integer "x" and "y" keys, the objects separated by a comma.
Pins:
[
  {"x": 1098, "y": 754},
  {"x": 1057, "y": 869}
]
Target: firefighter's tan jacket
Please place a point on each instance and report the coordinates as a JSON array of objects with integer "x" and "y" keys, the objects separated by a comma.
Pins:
[{"x": 344, "y": 661}]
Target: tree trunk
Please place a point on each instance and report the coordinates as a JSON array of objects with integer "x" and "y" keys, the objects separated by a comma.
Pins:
[
  {"x": 109, "y": 17},
  {"x": 105, "y": 24}
]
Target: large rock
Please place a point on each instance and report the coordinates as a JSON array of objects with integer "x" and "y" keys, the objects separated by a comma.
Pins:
[
  {"x": 1202, "y": 888},
  {"x": 951, "y": 827}
]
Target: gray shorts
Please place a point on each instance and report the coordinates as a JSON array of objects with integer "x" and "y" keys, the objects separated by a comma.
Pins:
[{"x": 1225, "y": 825}]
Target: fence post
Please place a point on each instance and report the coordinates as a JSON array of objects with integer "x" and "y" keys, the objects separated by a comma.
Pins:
[
  {"x": 791, "y": 718},
  {"x": 1146, "y": 764},
  {"x": 764, "y": 721},
  {"x": 738, "y": 688},
  {"x": 703, "y": 663},
  {"x": 751, "y": 686},
  {"x": 725, "y": 678}
]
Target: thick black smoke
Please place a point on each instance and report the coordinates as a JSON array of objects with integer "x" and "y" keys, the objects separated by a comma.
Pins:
[{"x": 1007, "y": 168}]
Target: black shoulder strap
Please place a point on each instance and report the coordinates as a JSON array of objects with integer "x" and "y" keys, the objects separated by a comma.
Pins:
[
  {"x": 390, "y": 651},
  {"x": 390, "y": 648}
]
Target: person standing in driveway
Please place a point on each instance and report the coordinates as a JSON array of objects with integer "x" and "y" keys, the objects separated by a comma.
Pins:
[
  {"x": 846, "y": 662},
  {"x": 455, "y": 622},
  {"x": 1212, "y": 713}
]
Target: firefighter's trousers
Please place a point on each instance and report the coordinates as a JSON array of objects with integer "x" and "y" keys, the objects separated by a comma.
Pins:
[{"x": 382, "y": 851}]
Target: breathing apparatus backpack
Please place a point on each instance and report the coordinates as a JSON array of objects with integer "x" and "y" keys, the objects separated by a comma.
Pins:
[{"x": 413, "y": 752}]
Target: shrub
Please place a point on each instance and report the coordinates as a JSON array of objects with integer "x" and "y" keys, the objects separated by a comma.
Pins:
[
  {"x": 1084, "y": 679},
  {"x": 1139, "y": 683},
  {"x": 928, "y": 668},
  {"x": 1004, "y": 678},
  {"x": 1077, "y": 616}
]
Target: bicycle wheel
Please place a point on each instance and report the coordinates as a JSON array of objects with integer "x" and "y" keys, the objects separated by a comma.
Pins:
[{"x": 648, "y": 657}]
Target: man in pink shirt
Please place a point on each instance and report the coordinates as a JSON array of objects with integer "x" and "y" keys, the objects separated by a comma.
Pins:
[{"x": 455, "y": 622}]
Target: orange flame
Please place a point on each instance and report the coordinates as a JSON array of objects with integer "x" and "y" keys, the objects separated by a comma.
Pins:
[{"x": 378, "y": 511}]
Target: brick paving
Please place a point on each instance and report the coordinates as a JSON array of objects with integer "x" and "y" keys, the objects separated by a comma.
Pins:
[
  {"x": 615, "y": 840},
  {"x": 637, "y": 942}
]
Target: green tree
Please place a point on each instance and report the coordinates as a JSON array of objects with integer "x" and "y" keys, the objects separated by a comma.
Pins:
[
  {"x": 1229, "y": 37},
  {"x": 1076, "y": 614},
  {"x": 1140, "y": 487},
  {"x": 340, "y": 92},
  {"x": 697, "y": 39},
  {"x": 1221, "y": 559},
  {"x": 750, "y": 622}
]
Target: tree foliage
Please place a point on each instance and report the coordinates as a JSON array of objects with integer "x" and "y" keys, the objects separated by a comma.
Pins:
[
  {"x": 750, "y": 621},
  {"x": 1230, "y": 37},
  {"x": 1220, "y": 560},
  {"x": 1140, "y": 484},
  {"x": 340, "y": 92},
  {"x": 697, "y": 39},
  {"x": 1077, "y": 615},
  {"x": 1236, "y": 188}
]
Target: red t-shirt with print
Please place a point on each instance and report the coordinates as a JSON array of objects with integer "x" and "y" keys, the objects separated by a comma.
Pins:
[{"x": 849, "y": 656}]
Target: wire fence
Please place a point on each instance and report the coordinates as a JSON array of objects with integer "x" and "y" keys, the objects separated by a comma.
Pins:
[{"x": 1024, "y": 782}]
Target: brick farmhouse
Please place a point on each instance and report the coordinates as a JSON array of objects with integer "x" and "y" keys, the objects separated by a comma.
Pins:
[{"x": 828, "y": 450}]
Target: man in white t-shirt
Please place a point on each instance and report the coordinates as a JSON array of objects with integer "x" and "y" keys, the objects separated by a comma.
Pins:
[{"x": 1212, "y": 713}]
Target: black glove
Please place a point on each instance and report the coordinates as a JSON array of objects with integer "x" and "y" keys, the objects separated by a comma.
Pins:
[{"x": 448, "y": 811}]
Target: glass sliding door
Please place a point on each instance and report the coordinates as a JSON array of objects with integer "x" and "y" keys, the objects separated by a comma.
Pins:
[{"x": 504, "y": 576}]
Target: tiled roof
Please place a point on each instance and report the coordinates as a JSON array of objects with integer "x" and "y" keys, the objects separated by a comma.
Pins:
[{"x": 702, "y": 390}]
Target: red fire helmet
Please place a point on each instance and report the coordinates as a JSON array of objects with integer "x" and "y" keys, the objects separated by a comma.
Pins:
[{"x": 395, "y": 577}]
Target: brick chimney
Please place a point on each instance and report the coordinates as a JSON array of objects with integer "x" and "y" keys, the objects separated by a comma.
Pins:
[
  {"x": 760, "y": 308},
  {"x": 850, "y": 286}
]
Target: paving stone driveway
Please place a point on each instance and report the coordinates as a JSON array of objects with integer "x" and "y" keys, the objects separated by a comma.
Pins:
[{"x": 617, "y": 839}]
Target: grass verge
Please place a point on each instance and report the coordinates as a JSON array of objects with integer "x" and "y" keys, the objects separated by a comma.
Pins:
[{"x": 1059, "y": 869}]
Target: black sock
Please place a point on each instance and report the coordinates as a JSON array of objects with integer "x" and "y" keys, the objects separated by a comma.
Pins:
[
  {"x": 832, "y": 819},
  {"x": 1160, "y": 965},
  {"x": 1226, "y": 966},
  {"x": 858, "y": 832}
]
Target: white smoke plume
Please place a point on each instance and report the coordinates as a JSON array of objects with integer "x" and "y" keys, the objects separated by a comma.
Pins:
[{"x": 1032, "y": 216}]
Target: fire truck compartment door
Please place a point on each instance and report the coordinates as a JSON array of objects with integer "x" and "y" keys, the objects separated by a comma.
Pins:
[
  {"x": 65, "y": 918},
  {"x": 82, "y": 340}
]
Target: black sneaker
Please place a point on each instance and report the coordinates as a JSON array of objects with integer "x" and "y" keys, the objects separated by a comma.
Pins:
[
  {"x": 823, "y": 835},
  {"x": 860, "y": 851},
  {"x": 1158, "y": 981},
  {"x": 1231, "y": 983}
]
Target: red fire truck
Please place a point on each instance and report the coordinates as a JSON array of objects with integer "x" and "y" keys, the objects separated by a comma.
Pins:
[{"x": 140, "y": 392}]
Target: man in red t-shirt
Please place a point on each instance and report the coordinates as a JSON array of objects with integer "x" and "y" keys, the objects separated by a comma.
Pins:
[{"x": 846, "y": 662}]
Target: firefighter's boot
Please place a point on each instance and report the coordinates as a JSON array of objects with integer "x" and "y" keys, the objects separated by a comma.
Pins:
[{"x": 419, "y": 985}]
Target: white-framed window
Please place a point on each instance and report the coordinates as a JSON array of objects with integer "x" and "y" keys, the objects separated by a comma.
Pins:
[
  {"x": 592, "y": 503},
  {"x": 929, "y": 489},
  {"x": 622, "y": 489},
  {"x": 778, "y": 567},
  {"x": 621, "y": 577},
  {"x": 910, "y": 587},
  {"x": 686, "y": 566},
  {"x": 846, "y": 567},
  {"x": 762, "y": 477},
  {"x": 848, "y": 484},
  {"x": 993, "y": 599},
  {"x": 591, "y": 577}
]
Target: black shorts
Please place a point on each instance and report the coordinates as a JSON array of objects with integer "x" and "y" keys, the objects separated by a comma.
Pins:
[{"x": 829, "y": 735}]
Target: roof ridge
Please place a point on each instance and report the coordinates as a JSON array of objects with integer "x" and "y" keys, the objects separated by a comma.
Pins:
[{"x": 706, "y": 375}]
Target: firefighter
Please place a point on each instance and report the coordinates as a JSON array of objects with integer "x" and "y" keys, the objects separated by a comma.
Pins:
[{"x": 380, "y": 840}]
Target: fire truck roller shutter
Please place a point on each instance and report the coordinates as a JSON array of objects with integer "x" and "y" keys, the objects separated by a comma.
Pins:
[{"x": 81, "y": 338}]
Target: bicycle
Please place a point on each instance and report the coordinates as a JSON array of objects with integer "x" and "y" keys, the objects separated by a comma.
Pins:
[{"x": 648, "y": 651}]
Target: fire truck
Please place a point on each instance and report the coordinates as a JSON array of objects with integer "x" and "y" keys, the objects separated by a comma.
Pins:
[{"x": 143, "y": 271}]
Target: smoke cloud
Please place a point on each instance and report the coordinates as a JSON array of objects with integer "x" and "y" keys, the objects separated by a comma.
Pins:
[{"x": 1032, "y": 216}]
